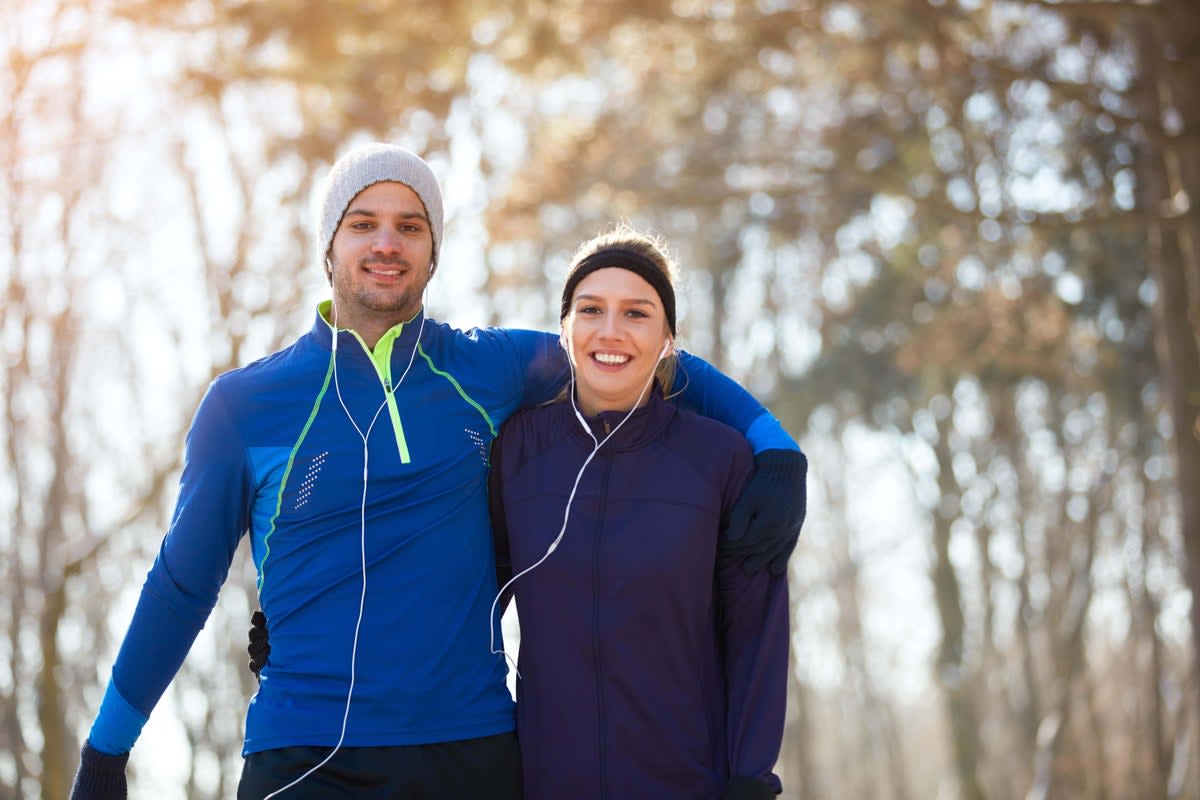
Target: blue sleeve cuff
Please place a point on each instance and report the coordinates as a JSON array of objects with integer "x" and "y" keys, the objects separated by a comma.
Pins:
[
  {"x": 117, "y": 726},
  {"x": 765, "y": 433}
]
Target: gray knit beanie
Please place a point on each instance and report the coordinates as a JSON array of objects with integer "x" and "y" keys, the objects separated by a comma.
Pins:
[{"x": 368, "y": 165}]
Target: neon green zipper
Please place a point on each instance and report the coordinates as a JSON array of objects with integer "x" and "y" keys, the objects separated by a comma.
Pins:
[{"x": 381, "y": 358}]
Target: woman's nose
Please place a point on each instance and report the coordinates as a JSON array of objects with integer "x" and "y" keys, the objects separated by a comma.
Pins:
[{"x": 612, "y": 327}]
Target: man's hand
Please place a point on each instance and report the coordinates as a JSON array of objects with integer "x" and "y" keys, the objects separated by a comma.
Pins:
[
  {"x": 100, "y": 776},
  {"x": 765, "y": 524},
  {"x": 260, "y": 646}
]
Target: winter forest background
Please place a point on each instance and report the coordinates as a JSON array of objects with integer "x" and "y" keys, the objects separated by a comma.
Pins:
[{"x": 951, "y": 243}]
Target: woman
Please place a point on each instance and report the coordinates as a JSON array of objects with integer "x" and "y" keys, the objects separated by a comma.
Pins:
[{"x": 650, "y": 666}]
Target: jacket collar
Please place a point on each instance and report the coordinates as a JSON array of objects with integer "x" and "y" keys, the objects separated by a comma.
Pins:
[
  {"x": 643, "y": 425},
  {"x": 402, "y": 336}
]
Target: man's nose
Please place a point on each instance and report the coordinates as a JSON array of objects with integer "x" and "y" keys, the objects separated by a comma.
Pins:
[{"x": 385, "y": 240}]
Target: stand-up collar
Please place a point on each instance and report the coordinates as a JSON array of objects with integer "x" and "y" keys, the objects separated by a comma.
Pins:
[
  {"x": 643, "y": 425},
  {"x": 404, "y": 335}
]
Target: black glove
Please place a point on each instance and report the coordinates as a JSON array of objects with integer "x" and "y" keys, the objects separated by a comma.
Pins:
[
  {"x": 741, "y": 787},
  {"x": 765, "y": 523},
  {"x": 100, "y": 776},
  {"x": 259, "y": 647}
]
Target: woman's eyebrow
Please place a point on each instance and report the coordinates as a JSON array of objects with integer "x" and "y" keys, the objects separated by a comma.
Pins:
[{"x": 597, "y": 298}]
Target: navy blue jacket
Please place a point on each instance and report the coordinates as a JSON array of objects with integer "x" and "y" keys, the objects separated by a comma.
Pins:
[{"x": 650, "y": 666}]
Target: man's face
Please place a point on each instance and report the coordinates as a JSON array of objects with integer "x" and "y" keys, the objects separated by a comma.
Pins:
[{"x": 380, "y": 255}]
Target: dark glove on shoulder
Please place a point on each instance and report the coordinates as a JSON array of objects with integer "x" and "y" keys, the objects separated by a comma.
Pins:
[
  {"x": 741, "y": 787},
  {"x": 260, "y": 645},
  {"x": 765, "y": 523},
  {"x": 100, "y": 776}
]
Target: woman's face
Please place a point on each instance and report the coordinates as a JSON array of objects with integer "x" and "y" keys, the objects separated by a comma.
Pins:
[{"x": 616, "y": 331}]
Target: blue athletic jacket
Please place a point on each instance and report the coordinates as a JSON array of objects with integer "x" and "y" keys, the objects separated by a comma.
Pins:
[
  {"x": 650, "y": 666},
  {"x": 276, "y": 450}
]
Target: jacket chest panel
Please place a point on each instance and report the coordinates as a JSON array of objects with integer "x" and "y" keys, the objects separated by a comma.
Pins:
[
  {"x": 626, "y": 530},
  {"x": 425, "y": 434}
]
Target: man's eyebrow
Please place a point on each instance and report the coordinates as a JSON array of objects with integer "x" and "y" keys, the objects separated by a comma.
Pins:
[{"x": 366, "y": 212}]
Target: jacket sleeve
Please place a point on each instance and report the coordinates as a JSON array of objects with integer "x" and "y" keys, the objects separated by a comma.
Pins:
[
  {"x": 544, "y": 369},
  {"x": 755, "y": 626},
  {"x": 709, "y": 392},
  {"x": 211, "y": 514},
  {"x": 755, "y": 636}
]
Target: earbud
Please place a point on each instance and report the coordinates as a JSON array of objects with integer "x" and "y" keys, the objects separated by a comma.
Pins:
[{"x": 666, "y": 351}]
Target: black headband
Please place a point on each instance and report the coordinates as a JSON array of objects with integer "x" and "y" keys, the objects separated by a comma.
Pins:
[{"x": 625, "y": 259}]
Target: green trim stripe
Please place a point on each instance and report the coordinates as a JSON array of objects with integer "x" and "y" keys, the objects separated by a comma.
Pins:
[
  {"x": 459, "y": 388},
  {"x": 287, "y": 471}
]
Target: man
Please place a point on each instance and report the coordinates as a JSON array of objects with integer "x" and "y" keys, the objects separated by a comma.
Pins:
[{"x": 357, "y": 460}]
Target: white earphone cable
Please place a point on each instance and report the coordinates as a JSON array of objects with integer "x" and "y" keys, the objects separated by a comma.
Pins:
[
  {"x": 574, "y": 487},
  {"x": 362, "y": 527}
]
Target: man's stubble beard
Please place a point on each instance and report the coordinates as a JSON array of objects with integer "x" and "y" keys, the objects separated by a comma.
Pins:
[{"x": 400, "y": 307}]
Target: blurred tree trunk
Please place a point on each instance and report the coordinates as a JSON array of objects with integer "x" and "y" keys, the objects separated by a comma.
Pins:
[
  {"x": 802, "y": 781},
  {"x": 43, "y": 350},
  {"x": 1148, "y": 656},
  {"x": 882, "y": 774},
  {"x": 1067, "y": 658},
  {"x": 952, "y": 670},
  {"x": 63, "y": 500},
  {"x": 1024, "y": 695},
  {"x": 1169, "y": 175},
  {"x": 15, "y": 375},
  {"x": 1099, "y": 767}
]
